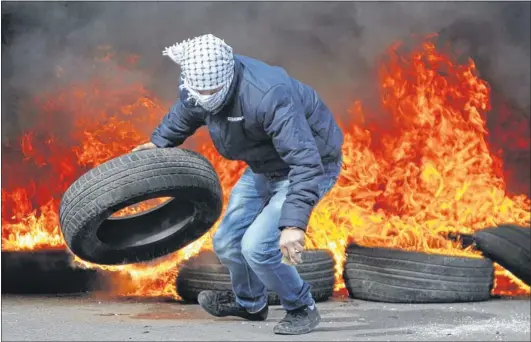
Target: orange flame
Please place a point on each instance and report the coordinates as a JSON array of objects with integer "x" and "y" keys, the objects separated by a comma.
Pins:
[{"x": 424, "y": 170}]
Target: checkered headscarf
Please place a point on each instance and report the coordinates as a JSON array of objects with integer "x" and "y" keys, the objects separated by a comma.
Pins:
[{"x": 206, "y": 63}]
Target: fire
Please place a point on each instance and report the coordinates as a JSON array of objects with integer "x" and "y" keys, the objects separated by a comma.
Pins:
[
  {"x": 423, "y": 169},
  {"x": 140, "y": 207}
]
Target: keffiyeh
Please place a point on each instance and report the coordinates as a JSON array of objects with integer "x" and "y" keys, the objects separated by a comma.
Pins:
[{"x": 207, "y": 63}]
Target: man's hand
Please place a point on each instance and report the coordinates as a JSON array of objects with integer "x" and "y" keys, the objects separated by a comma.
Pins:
[
  {"x": 292, "y": 244},
  {"x": 146, "y": 146}
]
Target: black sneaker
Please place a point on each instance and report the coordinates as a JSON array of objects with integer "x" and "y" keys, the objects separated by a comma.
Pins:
[
  {"x": 299, "y": 321},
  {"x": 223, "y": 304}
]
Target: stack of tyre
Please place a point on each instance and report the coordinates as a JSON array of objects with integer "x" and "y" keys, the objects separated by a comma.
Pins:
[
  {"x": 205, "y": 272},
  {"x": 391, "y": 275}
]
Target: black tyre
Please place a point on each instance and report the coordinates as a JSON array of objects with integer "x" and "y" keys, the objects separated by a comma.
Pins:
[
  {"x": 395, "y": 276},
  {"x": 89, "y": 202},
  {"x": 509, "y": 246},
  {"x": 205, "y": 272},
  {"x": 46, "y": 272}
]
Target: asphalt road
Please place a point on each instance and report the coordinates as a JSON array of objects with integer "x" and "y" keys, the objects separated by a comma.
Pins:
[{"x": 90, "y": 319}]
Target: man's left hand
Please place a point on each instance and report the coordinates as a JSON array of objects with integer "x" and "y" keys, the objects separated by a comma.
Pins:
[{"x": 292, "y": 244}]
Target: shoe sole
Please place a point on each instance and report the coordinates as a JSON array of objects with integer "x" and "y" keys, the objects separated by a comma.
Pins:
[{"x": 301, "y": 331}]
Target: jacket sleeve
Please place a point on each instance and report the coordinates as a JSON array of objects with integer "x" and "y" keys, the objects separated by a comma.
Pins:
[
  {"x": 285, "y": 122},
  {"x": 175, "y": 127}
]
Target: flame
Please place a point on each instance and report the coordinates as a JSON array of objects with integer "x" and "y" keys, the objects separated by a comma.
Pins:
[{"x": 422, "y": 170}]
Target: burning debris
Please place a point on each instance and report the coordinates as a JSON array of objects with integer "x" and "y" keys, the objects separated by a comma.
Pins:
[
  {"x": 423, "y": 171},
  {"x": 396, "y": 276},
  {"x": 47, "y": 271}
]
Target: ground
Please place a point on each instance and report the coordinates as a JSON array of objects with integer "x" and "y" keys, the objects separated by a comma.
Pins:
[{"x": 96, "y": 319}]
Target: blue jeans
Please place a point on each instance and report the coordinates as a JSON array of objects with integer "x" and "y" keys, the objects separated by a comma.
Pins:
[{"x": 247, "y": 241}]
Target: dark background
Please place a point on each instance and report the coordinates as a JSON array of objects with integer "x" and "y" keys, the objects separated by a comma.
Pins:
[{"x": 332, "y": 46}]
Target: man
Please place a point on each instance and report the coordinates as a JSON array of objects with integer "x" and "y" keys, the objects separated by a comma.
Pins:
[{"x": 289, "y": 139}]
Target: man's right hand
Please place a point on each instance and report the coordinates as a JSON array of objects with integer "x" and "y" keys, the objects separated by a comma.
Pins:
[{"x": 146, "y": 146}]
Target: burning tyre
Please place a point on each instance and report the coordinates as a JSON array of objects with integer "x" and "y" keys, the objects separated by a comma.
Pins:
[
  {"x": 390, "y": 275},
  {"x": 205, "y": 272},
  {"x": 86, "y": 207},
  {"x": 45, "y": 271},
  {"x": 509, "y": 246}
]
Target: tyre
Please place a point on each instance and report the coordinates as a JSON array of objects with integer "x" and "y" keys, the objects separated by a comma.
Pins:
[
  {"x": 205, "y": 272},
  {"x": 395, "y": 276},
  {"x": 185, "y": 176},
  {"x": 509, "y": 246},
  {"x": 46, "y": 272}
]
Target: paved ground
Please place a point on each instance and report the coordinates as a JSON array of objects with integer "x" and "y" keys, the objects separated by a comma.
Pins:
[{"x": 90, "y": 319}]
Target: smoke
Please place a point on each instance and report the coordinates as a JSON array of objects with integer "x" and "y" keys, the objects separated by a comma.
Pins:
[{"x": 332, "y": 46}]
